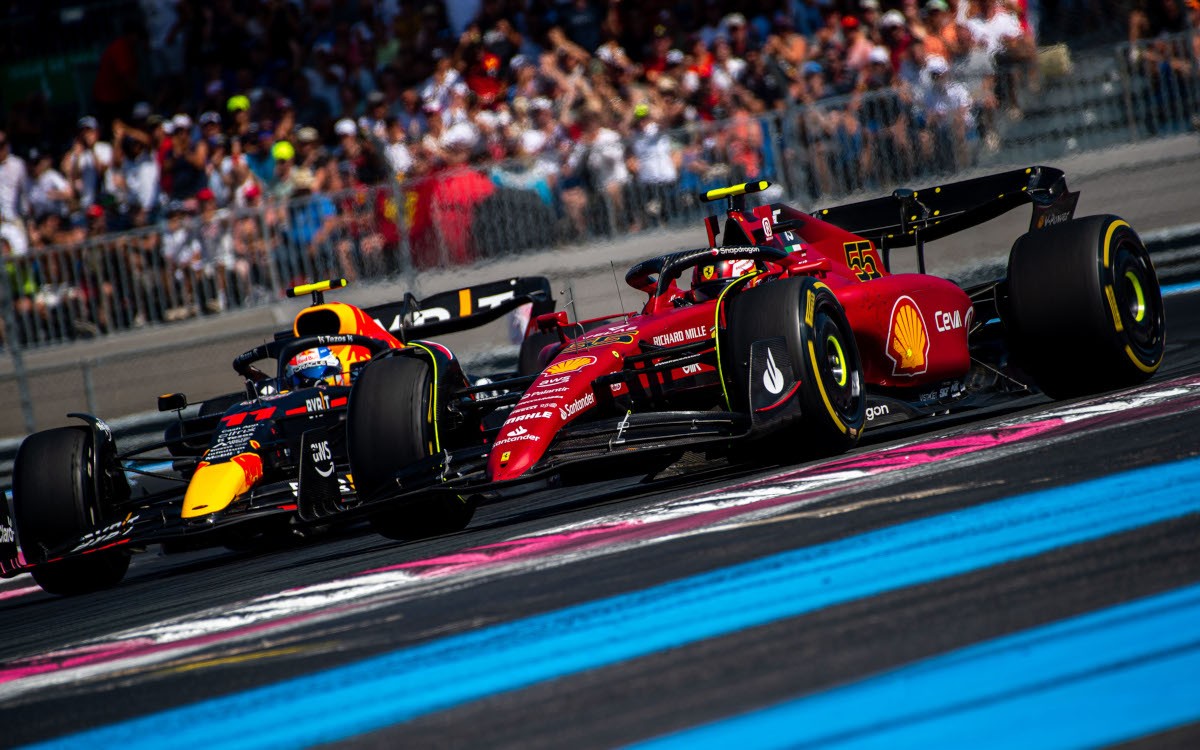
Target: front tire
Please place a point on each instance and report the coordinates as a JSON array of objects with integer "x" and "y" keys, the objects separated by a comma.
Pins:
[
  {"x": 1084, "y": 311},
  {"x": 821, "y": 346},
  {"x": 54, "y": 503},
  {"x": 390, "y": 424}
]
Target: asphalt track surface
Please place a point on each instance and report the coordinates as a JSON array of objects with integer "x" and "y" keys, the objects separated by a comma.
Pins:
[{"x": 1026, "y": 577}]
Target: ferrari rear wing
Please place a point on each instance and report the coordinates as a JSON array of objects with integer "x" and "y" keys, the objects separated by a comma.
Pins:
[{"x": 908, "y": 218}]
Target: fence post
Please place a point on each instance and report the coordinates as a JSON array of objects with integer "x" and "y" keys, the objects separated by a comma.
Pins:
[
  {"x": 778, "y": 150},
  {"x": 405, "y": 268},
  {"x": 14, "y": 348},
  {"x": 1125, "y": 70},
  {"x": 89, "y": 385}
]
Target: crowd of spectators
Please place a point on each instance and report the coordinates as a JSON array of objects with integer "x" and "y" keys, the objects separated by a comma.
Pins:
[{"x": 242, "y": 139}]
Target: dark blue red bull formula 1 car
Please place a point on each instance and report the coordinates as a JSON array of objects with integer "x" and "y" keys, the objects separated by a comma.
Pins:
[
  {"x": 792, "y": 335},
  {"x": 264, "y": 463}
]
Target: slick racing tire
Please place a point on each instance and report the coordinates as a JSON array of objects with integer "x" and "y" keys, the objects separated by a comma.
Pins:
[
  {"x": 389, "y": 425},
  {"x": 1084, "y": 312},
  {"x": 806, "y": 315},
  {"x": 54, "y": 502}
]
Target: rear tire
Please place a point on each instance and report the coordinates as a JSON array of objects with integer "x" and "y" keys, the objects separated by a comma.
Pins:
[
  {"x": 54, "y": 503},
  {"x": 1084, "y": 311},
  {"x": 831, "y": 392},
  {"x": 390, "y": 424}
]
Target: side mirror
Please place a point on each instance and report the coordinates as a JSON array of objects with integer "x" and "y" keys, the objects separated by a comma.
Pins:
[
  {"x": 551, "y": 321},
  {"x": 172, "y": 402}
]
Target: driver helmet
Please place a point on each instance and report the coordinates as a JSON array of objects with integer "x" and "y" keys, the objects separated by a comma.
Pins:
[
  {"x": 709, "y": 278},
  {"x": 312, "y": 366}
]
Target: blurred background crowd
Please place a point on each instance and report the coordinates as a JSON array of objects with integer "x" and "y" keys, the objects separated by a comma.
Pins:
[{"x": 240, "y": 146}]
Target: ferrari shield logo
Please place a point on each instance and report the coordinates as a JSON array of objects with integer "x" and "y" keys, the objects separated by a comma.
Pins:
[
  {"x": 708, "y": 272},
  {"x": 908, "y": 342}
]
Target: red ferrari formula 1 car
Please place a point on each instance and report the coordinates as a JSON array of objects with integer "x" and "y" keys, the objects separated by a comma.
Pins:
[
  {"x": 268, "y": 462},
  {"x": 792, "y": 336}
]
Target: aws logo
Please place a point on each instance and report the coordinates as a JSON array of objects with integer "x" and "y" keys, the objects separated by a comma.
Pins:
[
  {"x": 908, "y": 342},
  {"x": 574, "y": 364}
]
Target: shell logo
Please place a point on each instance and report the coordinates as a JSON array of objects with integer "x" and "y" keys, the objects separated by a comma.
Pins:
[
  {"x": 908, "y": 345},
  {"x": 574, "y": 364}
]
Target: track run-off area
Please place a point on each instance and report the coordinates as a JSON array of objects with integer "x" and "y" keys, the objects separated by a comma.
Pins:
[{"x": 1021, "y": 577}]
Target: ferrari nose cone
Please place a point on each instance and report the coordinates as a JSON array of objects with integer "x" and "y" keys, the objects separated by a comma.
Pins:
[{"x": 512, "y": 455}]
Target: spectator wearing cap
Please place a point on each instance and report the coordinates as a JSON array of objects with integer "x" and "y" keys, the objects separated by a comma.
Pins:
[
  {"x": 869, "y": 12},
  {"x": 87, "y": 162},
  {"x": 858, "y": 44},
  {"x": 949, "y": 119},
  {"x": 737, "y": 33},
  {"x": 946, "y": 37},
  {"x": 283, "y": 181},
  {"x": 349, "y": 148},
  {"x": 896, "y": 35},
  {"x": 238, "y": 108},
  {"x": 399, "y": 158},
  {"x": 376, "y": 110},
  {"x": 310, "y": 154},
  {"x": 137, "y": 172},
  {"x": 210, "y": 126},
  {"x": 184, "y": 164},
  {"x": 654, "y": 159},
  {"x": 484, "y": 78}
]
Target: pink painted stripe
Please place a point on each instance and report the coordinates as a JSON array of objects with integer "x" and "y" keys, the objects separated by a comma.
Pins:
[
  {"x": 14, "y": 593},
  {"x": 101, "y": 653},
  {"x": 872, "y": 463}
]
